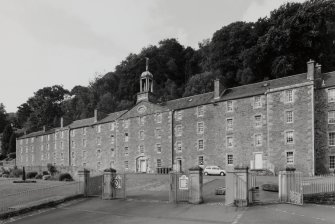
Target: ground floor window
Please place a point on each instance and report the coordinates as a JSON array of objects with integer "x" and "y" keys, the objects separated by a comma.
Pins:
[
  {"x": 200, "y": 160},
  {"x": 290, "y": 157},
  {"x": 159, "y": 163},
  {"x": 230, "y": 159},
  {"x": 332, "y": 162}
]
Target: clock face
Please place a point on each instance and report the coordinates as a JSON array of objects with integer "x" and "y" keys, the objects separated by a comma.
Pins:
[{"x": 141, "y": 109}]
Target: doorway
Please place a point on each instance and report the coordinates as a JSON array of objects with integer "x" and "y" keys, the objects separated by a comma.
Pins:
[{"x": 258, "y": 161}]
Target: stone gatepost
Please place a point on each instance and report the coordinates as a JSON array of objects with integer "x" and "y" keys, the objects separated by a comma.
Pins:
[
  {"x": 241, "y": 186},
  {"x": 196, "y": 184},
  {"x": 109, "y": 190},
  {"x": 83, "y": 176},
  {"x": 286, "y": 182}
]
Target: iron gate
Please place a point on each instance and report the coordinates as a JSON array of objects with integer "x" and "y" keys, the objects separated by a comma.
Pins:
[{"x": 95, "y": 185}]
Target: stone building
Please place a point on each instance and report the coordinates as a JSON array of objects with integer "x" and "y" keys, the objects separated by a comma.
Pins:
[{"x": 272, "y": 124}]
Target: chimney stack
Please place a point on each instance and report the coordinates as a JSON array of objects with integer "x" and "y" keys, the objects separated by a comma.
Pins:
[
  {"x": 61, "y": 122},
  {"x": 43, "y": 128},
  {"x": 218, "y": 89},
  {"x": 95, "y": 115},
  {"x": 310, "y": 70}
]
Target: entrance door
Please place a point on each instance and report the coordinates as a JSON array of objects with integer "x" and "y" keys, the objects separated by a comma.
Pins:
[
  {"x": 179, "y": 164},
  {"x": 258, "y": 161},
  {"x": 143, "y": 166}
]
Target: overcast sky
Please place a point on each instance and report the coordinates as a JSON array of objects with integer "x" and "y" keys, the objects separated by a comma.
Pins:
[{"x": 69, "y": 42}]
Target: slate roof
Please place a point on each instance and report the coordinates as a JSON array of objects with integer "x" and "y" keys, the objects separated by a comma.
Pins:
[
  {"x": 38, "y": 133},
  {"x": 81, "y": 123},
  {"x": 189, "y": 101},
  {"x": 329, "y": 79},
  {"x": 112, "y": 116}
]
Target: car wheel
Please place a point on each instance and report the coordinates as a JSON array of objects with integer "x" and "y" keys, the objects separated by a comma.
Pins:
[
  {"x": 222, "y": 173},
  {"x": 206, "y": 173}
]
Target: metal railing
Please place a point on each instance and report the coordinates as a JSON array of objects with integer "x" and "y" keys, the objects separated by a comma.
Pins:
[
  {"x": 318, "y": 184},
  {"x": 34, "y": 197}
]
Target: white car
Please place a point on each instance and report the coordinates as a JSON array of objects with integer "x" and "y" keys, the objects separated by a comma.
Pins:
[{"x": 214, "y": 170}]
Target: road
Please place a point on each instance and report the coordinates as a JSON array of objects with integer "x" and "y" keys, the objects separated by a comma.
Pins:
[{"x": 95, "y": 210}]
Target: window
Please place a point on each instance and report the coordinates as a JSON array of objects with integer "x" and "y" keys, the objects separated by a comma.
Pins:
[
  {"x": 179, "y": 115},
  {"x": 21, "y": 141},
  {"x": 331, "y": 95},
  {"x": 158, "y": 148},
  {"x": 201, "y": 111},
  {"x": 159, "y": 117},
  {"x": 99, "y": 128},
  {"x": 229, "y": 124},
  {"x": 178, "y": 130},
  {"x": 21, "y": 149},
  {"x": 113, "y": 152},
  {"x": 258, "y": 139},
  {"x": 257, "y": 102},
  {"x": 72, "y": 155},
  {"x": 112, "y": 139},
  {"x": 56, "y": 135},
  {"x": 200, "y": 128},
  {"x": 26, "y": 149},
  {"x": 73, "y": 133},
  {"x": 126, "y": 164},
  {"x": 229, "y": 142},
  {"x": 32, "y": 149},
  {"x": 99, "y": 153},
  {"x": 33, "y": 158},
  {"x": 200, "y": 144},
  {"x": 200, "y": 160},
  {"x": 84, "y": 131},
  {"x": 61, "y": 145},
  {"x": 332, "y": 162},
  {"x": 230, "y": 159},
  {"x": 331, "y": 117},
  {"x": 126, "y": 151},
  {"x": 54, "y": 156},
  {"x": 179, "y": 146},
  {"x": 141, "y": 147},
  {"x": 289, "y": 116},
  {"x": 126, "y": 137},
  {"x": 42, "y": 157},
  {"x": 258, "y": 120},
  {"x": 141, "y": 120},
  {"x": 159, "y": 163},
  {"x": 48, "y": 147},
  {"x": 98, "y": 165},
  {"x": 290, "y": 157},
  {"x": 32, "y": 140},
  {"x": 42, "y": 148},
  {"x": 84, "y": 142},
  {"x": 62, "y": 134},
  {"x": 84, "y": 164},
  {"x": 41, "y": 139},
  {"x": 331, "y": 138},
  {"x": 62, "y": 156},
  {"x": 230, "y": 106},
  {"x": 73, "y": 144},
  {"x": 289, "y": 137},
  {"x": 84, "y": 154},
  {"x": 98, "y": 140},
  {"x": 158, "y": 133},
  {"x": 126, "y": 123},
  {"x": 141, "y": 135},
  {"x": 289, "y": 96},
  {"x": 112, "y": 126}
]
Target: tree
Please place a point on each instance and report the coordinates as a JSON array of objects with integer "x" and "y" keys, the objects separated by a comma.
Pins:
[
  {"x": 12, "y": 143},
  {"x": 8, "y": 132},
  {"x": 3, "y": 118}
]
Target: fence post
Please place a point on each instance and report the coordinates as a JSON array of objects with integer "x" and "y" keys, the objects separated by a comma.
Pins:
[
  {"x": 83, "y": 176},
  {"x": 196, "y": 184},
  {"x": 109, "y": 190}
]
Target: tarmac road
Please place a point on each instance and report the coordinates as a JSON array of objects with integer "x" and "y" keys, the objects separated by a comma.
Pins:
[{"x": 95, "y": 210}]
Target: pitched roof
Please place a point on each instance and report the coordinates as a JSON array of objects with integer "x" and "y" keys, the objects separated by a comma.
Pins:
[
  {"x": 81, "y": 123},
  {"x": 189, "y": 101},
  {"x": 329, "y": 78},
  {"x": 38, "y": 133},
  {"x": 261, "y": 87},
  {"x": 112, "y": 116}
]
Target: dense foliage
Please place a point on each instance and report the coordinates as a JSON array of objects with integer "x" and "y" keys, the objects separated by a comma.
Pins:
[{"x": 239, "y": 53}]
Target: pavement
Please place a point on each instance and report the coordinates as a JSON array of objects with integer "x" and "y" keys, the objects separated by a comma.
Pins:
[{"x": 95, "y": 210}]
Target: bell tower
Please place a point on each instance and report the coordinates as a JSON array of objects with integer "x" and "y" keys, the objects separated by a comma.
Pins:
[{"x": 146, "y": 85}]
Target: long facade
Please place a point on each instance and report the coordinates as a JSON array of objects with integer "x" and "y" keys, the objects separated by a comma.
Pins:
[{"x": 267, "y": 125}]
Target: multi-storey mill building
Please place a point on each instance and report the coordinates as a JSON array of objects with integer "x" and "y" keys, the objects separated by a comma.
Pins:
[{"x": 272, "y": 124}]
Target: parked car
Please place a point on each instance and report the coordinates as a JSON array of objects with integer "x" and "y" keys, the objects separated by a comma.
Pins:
[{"x": 214, "y": 170}]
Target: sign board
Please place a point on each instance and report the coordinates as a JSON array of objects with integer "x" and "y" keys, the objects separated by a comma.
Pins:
[
  {"x": 183, "y": 182},
  {"x": 117, "y": 182}
]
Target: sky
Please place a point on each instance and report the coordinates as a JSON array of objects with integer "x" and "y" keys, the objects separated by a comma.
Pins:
[{"x": 70, "y": 42}]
